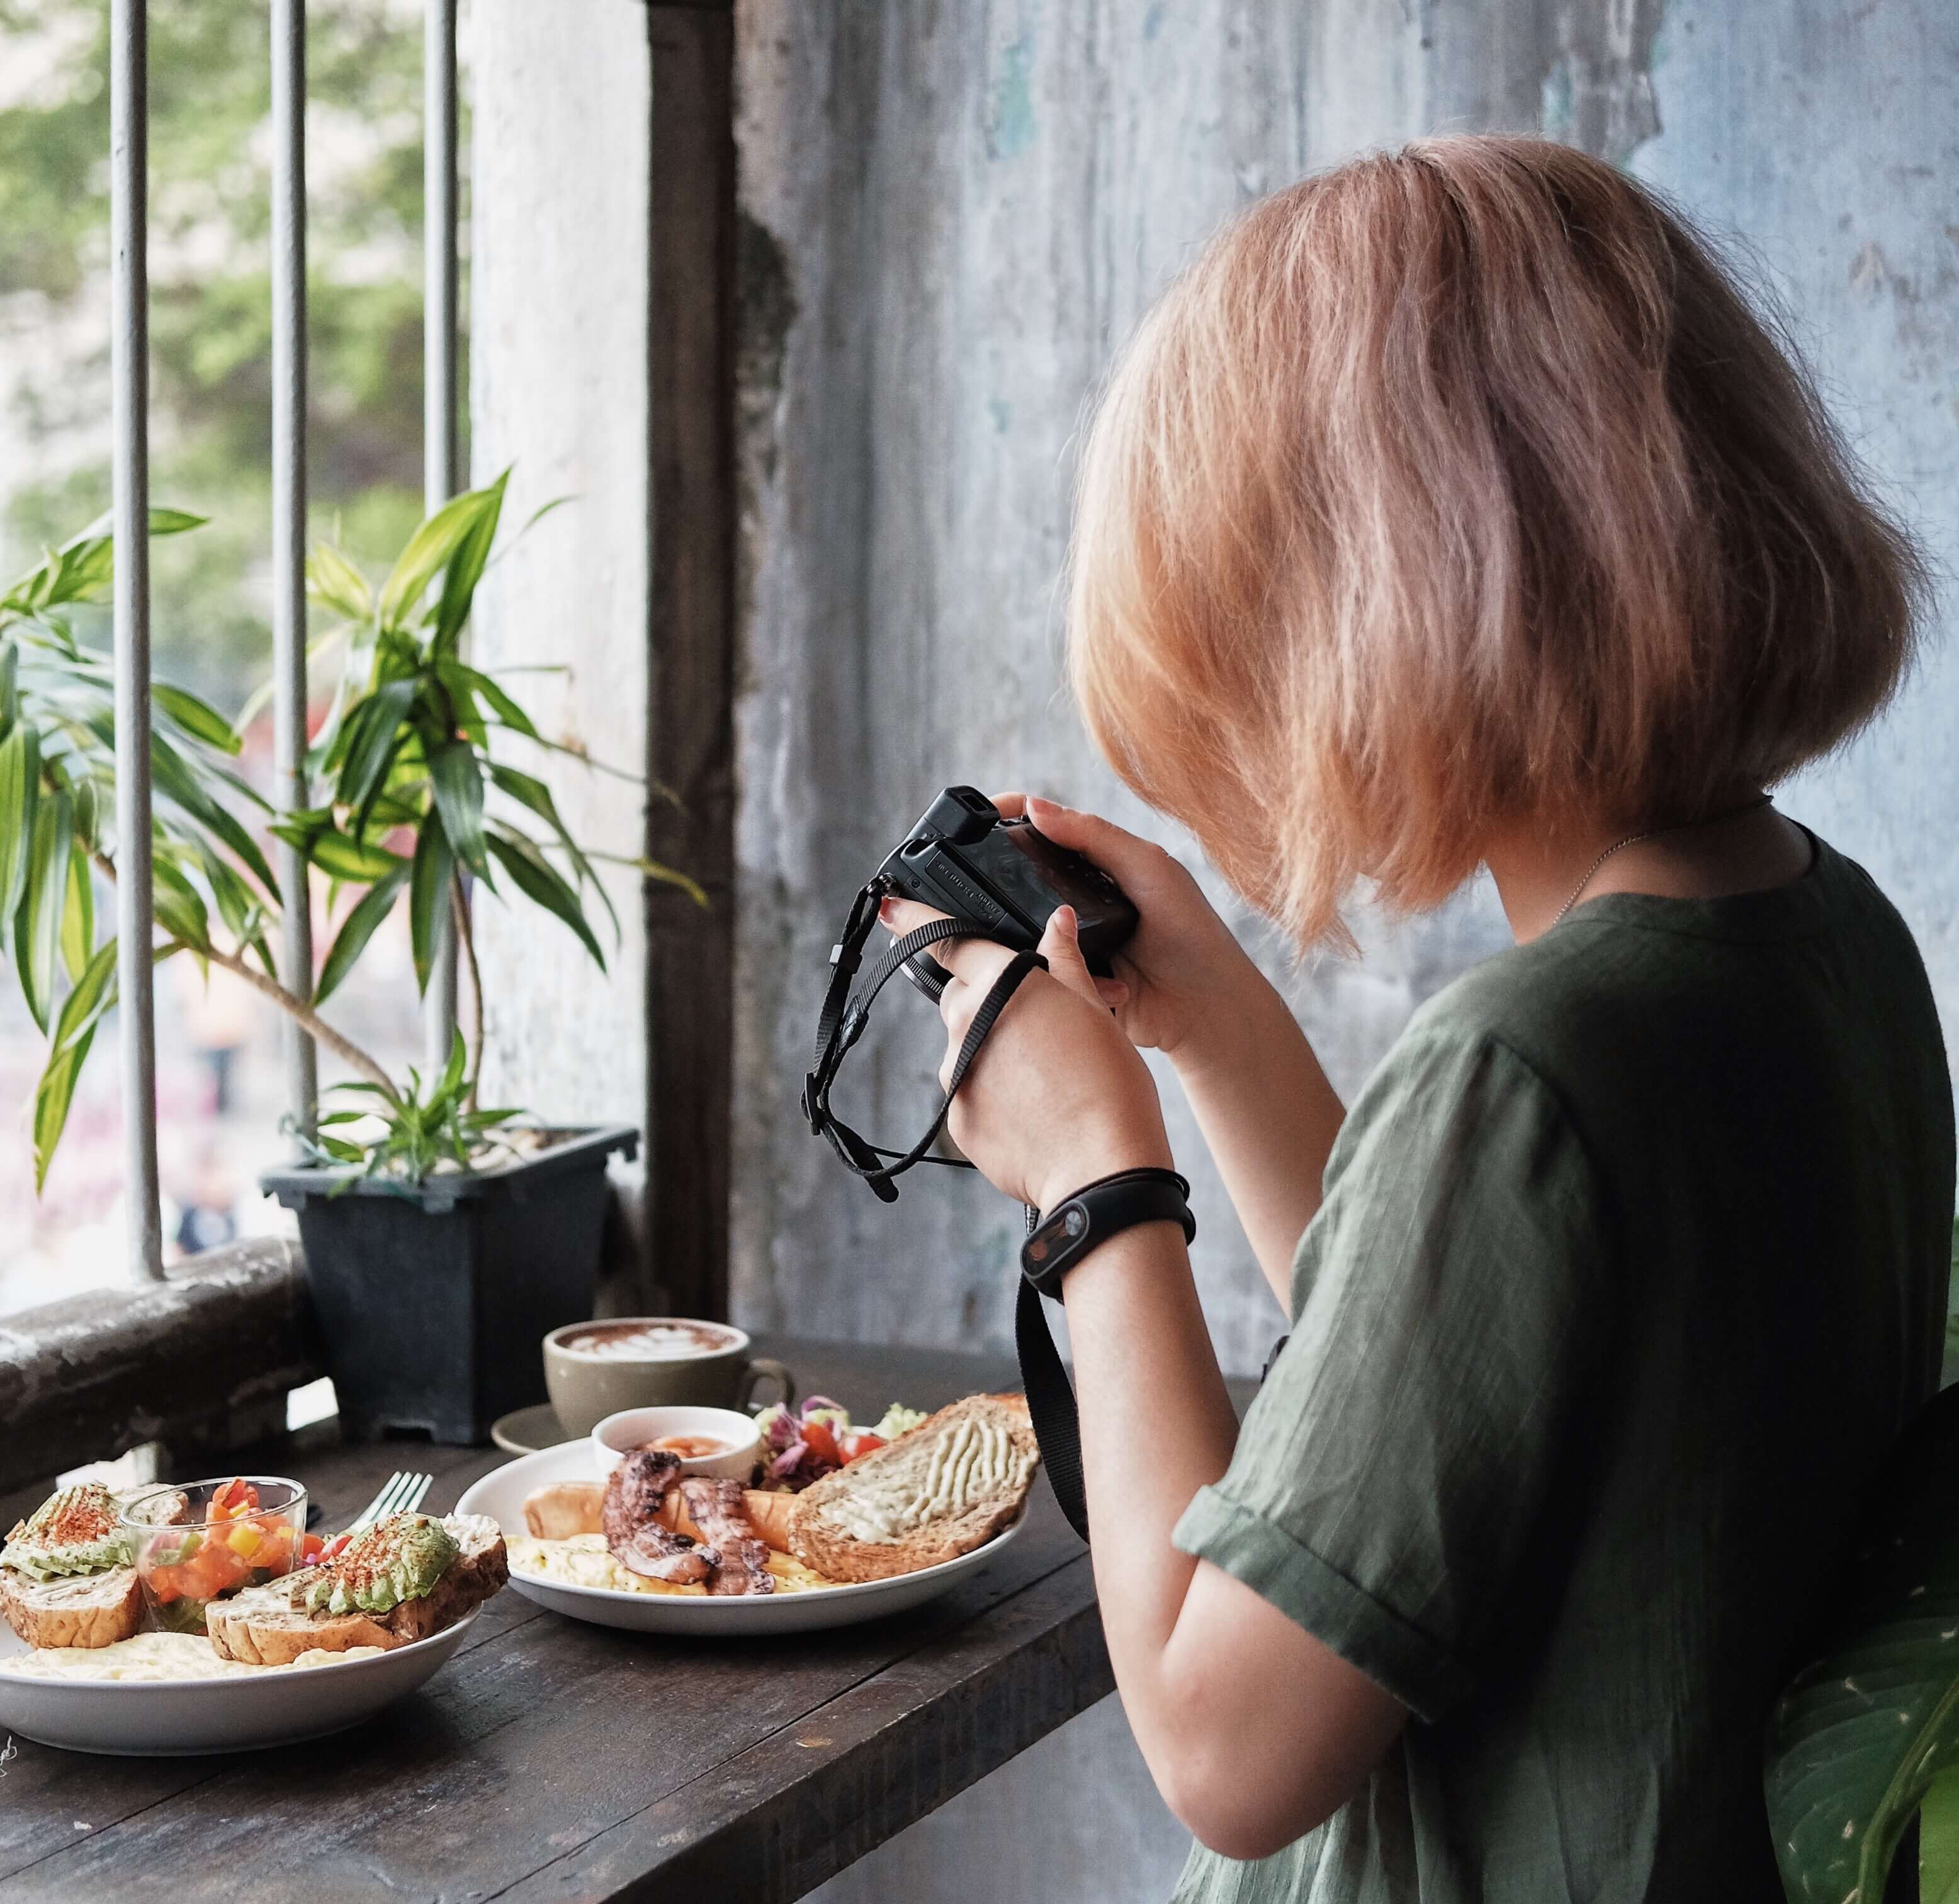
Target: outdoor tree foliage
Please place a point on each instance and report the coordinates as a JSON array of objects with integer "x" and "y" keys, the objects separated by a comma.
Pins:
[{"x": 209, "y": 98}]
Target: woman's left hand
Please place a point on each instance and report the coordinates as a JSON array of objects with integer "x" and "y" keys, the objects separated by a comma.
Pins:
[{"x": 1057, "y": 1095}]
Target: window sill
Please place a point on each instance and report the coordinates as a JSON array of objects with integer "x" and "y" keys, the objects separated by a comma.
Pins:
[{"x": 205, "y": 1358}]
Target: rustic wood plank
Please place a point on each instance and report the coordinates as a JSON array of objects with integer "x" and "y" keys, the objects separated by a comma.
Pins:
[
  {"x": 547, "y": 1751},
  {"x": 690, "y": 737},
  {"x": 775, "y": 1822}
]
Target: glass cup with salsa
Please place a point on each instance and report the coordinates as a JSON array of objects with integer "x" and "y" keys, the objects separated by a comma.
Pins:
[{"x": 195, "y": 1542}]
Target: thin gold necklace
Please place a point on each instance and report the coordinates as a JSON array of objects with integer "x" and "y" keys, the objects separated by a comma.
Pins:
[{"x": 1634, "y": 839}]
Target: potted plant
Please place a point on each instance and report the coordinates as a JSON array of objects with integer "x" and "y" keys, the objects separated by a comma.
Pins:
[{"x": 441, "y": 1239}]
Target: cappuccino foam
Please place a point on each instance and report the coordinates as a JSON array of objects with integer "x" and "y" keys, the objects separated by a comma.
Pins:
[{"x": 650, "y": 1341}]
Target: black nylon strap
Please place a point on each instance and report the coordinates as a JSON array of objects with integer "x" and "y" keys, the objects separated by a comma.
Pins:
[
  {"x": 1051, "y": 1405},
  {"x": 840, "y": 1025}
]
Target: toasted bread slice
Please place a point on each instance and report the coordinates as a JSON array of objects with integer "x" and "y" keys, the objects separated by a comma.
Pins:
[
  {"x": 947, "y": 1486},
  {"x": 270, "y": 1626},
  {"x": 82, "y": 1609}
]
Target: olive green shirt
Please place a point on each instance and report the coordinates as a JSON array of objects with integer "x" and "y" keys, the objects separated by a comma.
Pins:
[{"x": 1632, "y": 1261}]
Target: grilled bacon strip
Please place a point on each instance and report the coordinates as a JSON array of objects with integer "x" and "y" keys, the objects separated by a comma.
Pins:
[
  {"x": 716, "y": 1508},
  {"x": 628, "y": 1518}
]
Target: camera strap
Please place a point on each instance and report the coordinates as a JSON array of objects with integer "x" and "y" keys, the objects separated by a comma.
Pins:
[
  {"x": 1051, "y": 1405},
  {"x": 842, "y": 1021}
]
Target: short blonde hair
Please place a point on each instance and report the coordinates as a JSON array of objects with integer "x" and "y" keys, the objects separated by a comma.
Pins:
[{"x": 1458, "y": 484}]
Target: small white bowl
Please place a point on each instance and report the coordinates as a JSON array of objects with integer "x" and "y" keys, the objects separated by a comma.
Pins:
[{"x": 616, "y": 1435}]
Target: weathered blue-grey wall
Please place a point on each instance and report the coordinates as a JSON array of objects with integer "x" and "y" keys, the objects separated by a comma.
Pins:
[{"x": 953, "y": 213}]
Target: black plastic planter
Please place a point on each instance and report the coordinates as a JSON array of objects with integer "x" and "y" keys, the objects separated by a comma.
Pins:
[{"x": 433, "y": 1303}]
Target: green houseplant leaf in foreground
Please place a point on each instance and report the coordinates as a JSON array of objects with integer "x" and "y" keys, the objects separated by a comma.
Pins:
[{"x": 1863, "y": 1734}]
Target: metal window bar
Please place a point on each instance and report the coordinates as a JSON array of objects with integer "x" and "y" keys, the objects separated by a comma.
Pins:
[
  {"x": 289, "y": 512},
  {"x": 440, "y": 435},
  {"x": 129, "y": 376}
]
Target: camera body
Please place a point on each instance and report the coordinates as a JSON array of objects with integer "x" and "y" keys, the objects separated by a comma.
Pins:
[{"x": 965, "y": 858}]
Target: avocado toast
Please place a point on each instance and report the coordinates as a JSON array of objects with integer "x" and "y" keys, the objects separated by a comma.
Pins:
[
  {"x": 65, "y": 1579},
  {"x": 403, "y": 1578}
]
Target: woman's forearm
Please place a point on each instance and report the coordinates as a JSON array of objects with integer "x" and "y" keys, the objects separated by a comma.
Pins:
[
  {"x": 1156, "y": 1424},
  {"x": 1268, "y": 1116}
]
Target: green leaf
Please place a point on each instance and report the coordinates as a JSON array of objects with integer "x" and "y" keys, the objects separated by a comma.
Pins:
[
  {"x": 179, "y": 907},
  {"x": 38, "y": 923},
  {"x": 77, "y": 925},
  {"x": 540, "y": 881},
  {"x": 93, "y": 992},
  {"x": 428, "y": 550},
  {"x": 534, "y": 794},
  {"x": 20, "y": 794},
  {"x": 195, "y": 716},
  {"x": 335, "y": 584},
  {"x": 358, "y": 927},
  {"x": 428, "y": 896},
  {"x": 466, "y": 568},
  {"x": 1938, "y": 1841},
  {"x": 453, "y": 1073},
  {"x": 177, "y": 782},
  {"x": 1860, "y": 1735},
  {"x": 333, "y": 852},
  {"x": 456, "y": 779},
  {"x": 373, "y": 736},
  {"x": 477, "y": 682},
  {"x": 174, "y": 522}
]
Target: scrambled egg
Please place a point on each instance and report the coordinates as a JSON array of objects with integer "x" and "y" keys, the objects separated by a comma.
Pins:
[
  {"x": 585, "y": 1561},
  {"x": 157, "y": 1656}
]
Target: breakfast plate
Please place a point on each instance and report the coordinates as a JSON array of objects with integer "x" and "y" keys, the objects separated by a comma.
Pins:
[
  {"x": 500, "y": 1494},
  {"x": 178, "y": 1718}
]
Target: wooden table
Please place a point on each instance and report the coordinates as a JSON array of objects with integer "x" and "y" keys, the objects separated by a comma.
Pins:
[{"x": 551, "y": 1760}]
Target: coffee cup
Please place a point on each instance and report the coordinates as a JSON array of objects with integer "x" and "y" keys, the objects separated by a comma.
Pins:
[{"x": 594, "y": 1369}]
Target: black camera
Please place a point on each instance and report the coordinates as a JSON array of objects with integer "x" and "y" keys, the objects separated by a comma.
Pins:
[
  {"x": 992, "y": 878},
  {"x": 1007, "y": 878}
]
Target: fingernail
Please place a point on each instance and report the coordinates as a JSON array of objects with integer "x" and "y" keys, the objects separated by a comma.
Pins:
[
  {"x": 1036, "y": 804},
  {"x": 1065, "y": 915},
  {"x": 885, "y": 908}
]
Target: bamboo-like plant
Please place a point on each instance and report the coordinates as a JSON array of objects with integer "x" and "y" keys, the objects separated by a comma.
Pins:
[{"x": 405, "y": 760}]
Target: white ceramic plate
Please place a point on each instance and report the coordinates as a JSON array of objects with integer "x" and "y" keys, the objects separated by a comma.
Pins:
[
  {"x": 500, "y": 1495},
  {"x": 175, "y": 1718}
]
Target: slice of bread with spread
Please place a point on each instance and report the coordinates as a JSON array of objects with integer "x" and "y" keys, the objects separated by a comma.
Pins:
[
  {"x": 405, "y": 1578},
  {"x": 64, "y": 1580},
  {"x": 938, "y": 1491}
]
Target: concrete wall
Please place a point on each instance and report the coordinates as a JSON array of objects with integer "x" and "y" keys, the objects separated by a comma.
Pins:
[
  {"x": 558, "y": 392},
  {"x": 953, "y": 215}
]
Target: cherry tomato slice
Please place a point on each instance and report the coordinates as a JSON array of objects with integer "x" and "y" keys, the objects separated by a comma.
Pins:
[{"x": 821, "y": 1441}]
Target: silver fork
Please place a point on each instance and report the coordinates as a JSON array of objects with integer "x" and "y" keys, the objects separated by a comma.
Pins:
[{"x": 402, "y": 1494}]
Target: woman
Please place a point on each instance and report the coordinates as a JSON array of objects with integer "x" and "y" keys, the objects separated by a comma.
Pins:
[{"x": 1454, "y": 511}]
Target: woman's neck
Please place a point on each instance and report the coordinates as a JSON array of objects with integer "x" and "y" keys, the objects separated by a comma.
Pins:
[{"x": 1537, "y": 867}]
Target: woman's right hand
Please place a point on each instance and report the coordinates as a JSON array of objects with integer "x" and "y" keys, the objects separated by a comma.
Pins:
[{"x": 1182, "y": 968}]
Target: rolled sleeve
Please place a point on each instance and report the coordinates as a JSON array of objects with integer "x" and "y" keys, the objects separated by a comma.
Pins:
[
  {"x": 1398, "y": 1469},
  {"x": 1397, "y": 1657}
]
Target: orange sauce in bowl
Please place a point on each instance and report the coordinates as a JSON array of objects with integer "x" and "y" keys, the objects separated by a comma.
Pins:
[{"x": 690, "y": 1447}]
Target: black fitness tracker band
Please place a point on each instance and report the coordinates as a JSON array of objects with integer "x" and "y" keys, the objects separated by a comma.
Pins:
[{"x": 1096, "y": 1211}]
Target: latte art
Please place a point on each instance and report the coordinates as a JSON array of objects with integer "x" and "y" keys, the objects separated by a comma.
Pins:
[{"x": 650, "y": 1341}]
